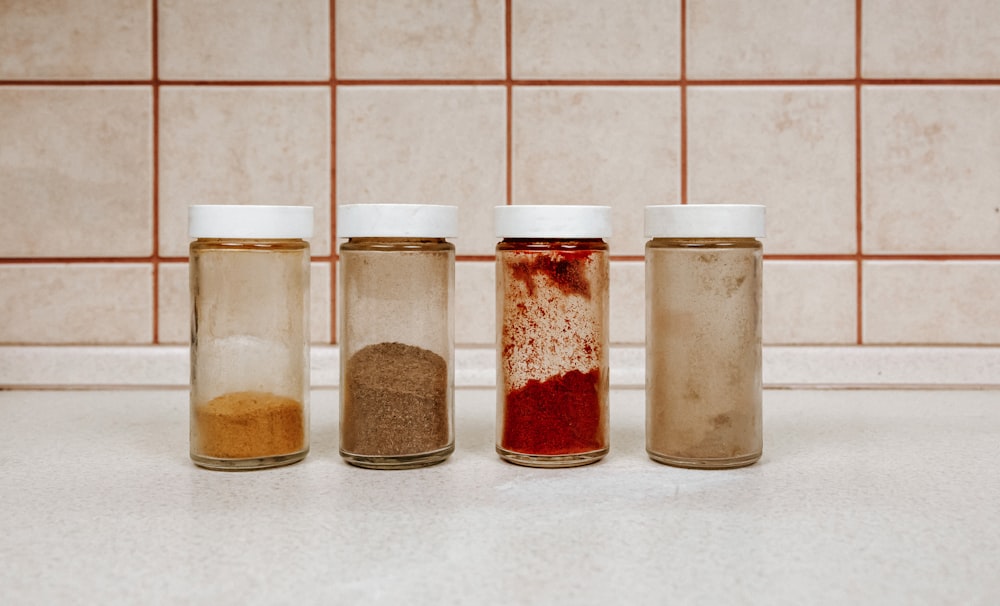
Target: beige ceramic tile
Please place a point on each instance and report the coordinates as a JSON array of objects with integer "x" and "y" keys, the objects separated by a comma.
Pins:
[
  {"x": 920, "y": 302},
  {"x": 76, "y": 169},
  {"x": 243, "y": 145},
  {"x": 810, "y": 302},
  {"x": 175, "y": 303},
  {"x": 425, "y": 145},
  {"x": 930, "y": 157},
  {"x": 789, "y": 148},
  {"x": 595, "y": 39},
  {"x": 174, "y": 309},
  {"x": 617, "y": 146},
  {"x": 79, "y": 40},
  {"x": 770, "y": 39},
  {"x": 475, "y": 303},
  {"x": 930, "y": 39},
  {"x": 49, "y": 303},
  {"x": 628, "y": 303},
  {"x": 244, "y": 39},
  {"x": 321, "y": 312},
  {"x": 420, "y": 39}
]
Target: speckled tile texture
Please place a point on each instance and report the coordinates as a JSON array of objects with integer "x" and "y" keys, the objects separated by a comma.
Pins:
[{"x": 869, "y": 128}]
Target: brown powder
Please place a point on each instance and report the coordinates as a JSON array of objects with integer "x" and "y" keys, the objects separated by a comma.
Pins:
[
  {"x": 395, "y": 401},
  {"x": 249, "y": 424}
]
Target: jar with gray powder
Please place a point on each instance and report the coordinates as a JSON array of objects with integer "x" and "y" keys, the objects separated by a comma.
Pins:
[
  {"x": 703, "y": 334},
  {"x": 397, "y": 336}
]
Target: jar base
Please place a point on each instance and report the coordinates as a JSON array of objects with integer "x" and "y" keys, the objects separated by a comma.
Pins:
[
  {"x": 703, "y": 463},
  {"x": 248, "y": 464},
  {"x": 424, "y": 459},
  {"x": 552, "y": 461}
]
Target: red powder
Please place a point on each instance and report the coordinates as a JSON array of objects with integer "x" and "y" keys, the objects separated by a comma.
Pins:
[
  {"x": 562, "y": 267},
  {"x": 560, "y": 415}
]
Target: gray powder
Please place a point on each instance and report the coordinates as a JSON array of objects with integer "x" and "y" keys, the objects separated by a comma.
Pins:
[{"x": 395, "y": 401}]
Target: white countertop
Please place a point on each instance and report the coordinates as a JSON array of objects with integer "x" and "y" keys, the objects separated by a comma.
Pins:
[{"x": 877, "y": 496}]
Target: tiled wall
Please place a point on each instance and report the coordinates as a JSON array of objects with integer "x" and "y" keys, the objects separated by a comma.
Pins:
[{"x": 870, "y": 128}]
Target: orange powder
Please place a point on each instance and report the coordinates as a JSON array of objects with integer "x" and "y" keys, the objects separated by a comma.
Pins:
[{"x": 249, "y": 424}]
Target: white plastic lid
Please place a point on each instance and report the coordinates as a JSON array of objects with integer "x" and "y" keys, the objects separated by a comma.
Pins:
[
  {"x": 552, "y": 221},
  {"x": 250, "y": 221},
  {"x": 397, "y": 221},
  {"x": 705, "y": 221}
]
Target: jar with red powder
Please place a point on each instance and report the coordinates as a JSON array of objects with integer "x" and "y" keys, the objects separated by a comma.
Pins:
[{"x": 552, "y": 334}]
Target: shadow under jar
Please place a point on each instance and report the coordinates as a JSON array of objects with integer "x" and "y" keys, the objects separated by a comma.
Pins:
[
  {"x": 397, "y": 344},
  {"x": 249, "y": 277},
  {"x": 552, "y": 334},
  {"x": 703, "y": 335}
]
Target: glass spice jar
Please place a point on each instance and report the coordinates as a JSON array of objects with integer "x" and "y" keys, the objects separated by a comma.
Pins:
[
  {"x": 397, "y": 342},
  {"x": 552, "y": 334},
  {"x": 249, "y": 275},
  {"x": 703, "y": 334}
]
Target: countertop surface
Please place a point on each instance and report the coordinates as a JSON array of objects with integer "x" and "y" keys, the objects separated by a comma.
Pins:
[{"x": 861, "y": 496}]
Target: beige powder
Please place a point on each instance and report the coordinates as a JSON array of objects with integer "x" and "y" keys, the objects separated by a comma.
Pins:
[{"x": 545, "y": 331}]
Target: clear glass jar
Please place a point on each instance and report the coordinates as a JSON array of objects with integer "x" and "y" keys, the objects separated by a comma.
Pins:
[
  {"x": 703, "y": 334},
  {"x": 397, "y": 341},
  {"x": 249, "y": 273},
  {"x": 552, "y": 334}
]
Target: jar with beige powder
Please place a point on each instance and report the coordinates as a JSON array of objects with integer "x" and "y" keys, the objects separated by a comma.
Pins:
[{"x": 703, "y": 334}]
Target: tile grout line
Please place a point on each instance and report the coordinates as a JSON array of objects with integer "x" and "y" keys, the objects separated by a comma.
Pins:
[
  {"x": 929, "y": 258},
  {"x": 737, "y": 82},
  {"x": 155, "y": 40},
  {"x": 683, "y": 105},
  {"x": 858, "y": 174},
  {"x": 509, "y": 89},
  {"x": 333, "y": 171}
]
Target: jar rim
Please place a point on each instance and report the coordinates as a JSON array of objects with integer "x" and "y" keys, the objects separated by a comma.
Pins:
[
  {"x": 552, "y": 221},
  {"x": 253, "y": 221},
  {"x": 705, "y": 221},
  {"x": 397, "y": 221}
]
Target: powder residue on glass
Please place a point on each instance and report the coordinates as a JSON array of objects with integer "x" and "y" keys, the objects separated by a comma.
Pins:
[
  {"x": 395, "y": 401},
  {"x": 704, "y": 314},
  {"x": 551, "y": 352},
  {"x": 249, "y": 424}
]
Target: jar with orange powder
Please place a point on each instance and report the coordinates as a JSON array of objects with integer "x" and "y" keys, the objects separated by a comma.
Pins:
[{"x": 249, "y": 275}]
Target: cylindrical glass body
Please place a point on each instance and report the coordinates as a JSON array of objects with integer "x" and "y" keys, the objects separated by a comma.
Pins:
[
  {"x": 703, "y": 351},
  {"x": 397, "y": 347},
  {"x": 249, "y": 351},
  {"x": 552, "y": 351}
]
